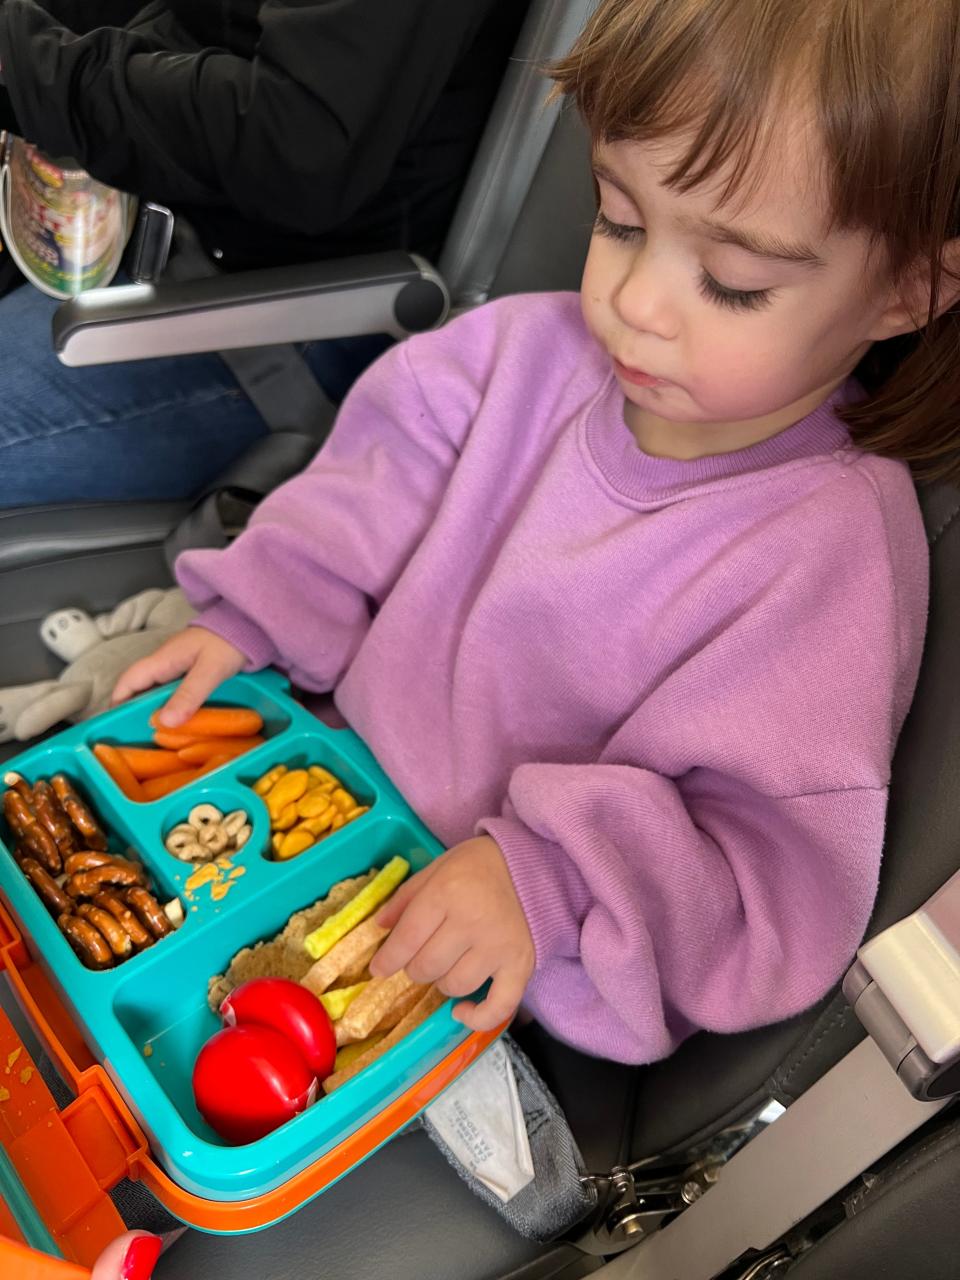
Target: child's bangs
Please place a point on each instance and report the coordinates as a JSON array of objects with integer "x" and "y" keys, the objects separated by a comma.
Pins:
[
  {"x": 646, "y": 70},
  {"x": 722, "y": 74}
]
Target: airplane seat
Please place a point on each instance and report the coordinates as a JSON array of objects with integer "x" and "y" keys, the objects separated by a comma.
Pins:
[{"x": 716, "y": 1134}]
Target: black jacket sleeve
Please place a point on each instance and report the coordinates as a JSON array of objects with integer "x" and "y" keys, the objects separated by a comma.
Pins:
[{"x": 300, "y": 135}]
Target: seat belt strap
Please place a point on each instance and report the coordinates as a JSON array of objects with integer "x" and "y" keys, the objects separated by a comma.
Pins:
[
  {"x": 277, "y": 379},
  {"x": 224, "y": 507},
  {"x": 281, "y": 386}
]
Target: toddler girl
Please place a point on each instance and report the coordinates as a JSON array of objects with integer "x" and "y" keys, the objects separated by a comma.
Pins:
[{"x": 627, "y": 593}]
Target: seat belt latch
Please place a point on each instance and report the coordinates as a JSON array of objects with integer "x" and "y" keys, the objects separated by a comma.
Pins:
[{"x": 905, "y": 988}]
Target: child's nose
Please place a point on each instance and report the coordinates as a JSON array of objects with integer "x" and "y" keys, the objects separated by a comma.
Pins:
[{"x": 647, "y": 299}]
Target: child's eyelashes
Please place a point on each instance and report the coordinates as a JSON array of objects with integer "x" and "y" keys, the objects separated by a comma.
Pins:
[
  {"x": 711, "y": 289},
  {"x": 733, "y": 299},
  {"x": 618, "y": 230}
]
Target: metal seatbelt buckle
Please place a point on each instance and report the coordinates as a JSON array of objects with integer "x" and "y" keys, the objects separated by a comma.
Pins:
[
  {"x": 905, "y": 988},
  {"x": 149, "y": 249}
]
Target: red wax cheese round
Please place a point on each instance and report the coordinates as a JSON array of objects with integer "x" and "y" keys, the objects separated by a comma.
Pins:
[
  {"x": 290, "y": 1009},
  {"x": 249, "y": 1080}
]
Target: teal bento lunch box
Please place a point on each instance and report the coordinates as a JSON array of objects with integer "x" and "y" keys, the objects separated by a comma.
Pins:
[{"x": 147, "y": 1018}]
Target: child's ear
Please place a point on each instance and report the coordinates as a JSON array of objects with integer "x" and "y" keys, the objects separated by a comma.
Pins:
[{"x": 909, "y": 306}]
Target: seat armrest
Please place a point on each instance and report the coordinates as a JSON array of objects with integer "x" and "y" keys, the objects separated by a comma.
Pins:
[
  {"x": 31, "y": 536},
  {"x": 394, "y": 293}
]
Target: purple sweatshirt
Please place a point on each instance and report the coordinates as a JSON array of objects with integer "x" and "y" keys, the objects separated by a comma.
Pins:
[{"x": 669, "y": 690}]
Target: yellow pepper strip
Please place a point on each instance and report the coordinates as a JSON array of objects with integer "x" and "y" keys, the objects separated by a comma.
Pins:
[
  {"x": 349, "y": 1052},
  {"x": 370, "y": 897},
  {"x": 337, "y": 1002}
]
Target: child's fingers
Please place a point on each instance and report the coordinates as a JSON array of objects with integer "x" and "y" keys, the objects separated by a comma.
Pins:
[
  {"x": 170, "y": 660},
  {"x": 500, "y": 1004},
  {"x": 390, "y": 913},
  {"x": 200, "y": 681},
  {"x": 438, "y": 955},
  {"x": 142, "y": 675},
  {"x": 466, "y": 976},
  {"x": 419, "y": 922}
]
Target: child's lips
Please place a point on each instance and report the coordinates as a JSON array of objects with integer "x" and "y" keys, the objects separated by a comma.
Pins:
[{"x": 638, "y": 377}]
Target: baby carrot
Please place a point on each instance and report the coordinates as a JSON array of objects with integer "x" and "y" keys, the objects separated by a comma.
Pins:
[
  {"x": 173, "y": 739},
  {"x": 154, "y": 788},
  {"x": 214, "y": 763},
  {"x": 200, "y": 752},
  {"x": 146, "y": 763},
  {"x": 119, "y": 770},
  {"x": 218, "y": 722}
]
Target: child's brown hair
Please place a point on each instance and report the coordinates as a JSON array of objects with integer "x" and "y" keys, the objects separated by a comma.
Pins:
[{"x": 882, "y": 80}]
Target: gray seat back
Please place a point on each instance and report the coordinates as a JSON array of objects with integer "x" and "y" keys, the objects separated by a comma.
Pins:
[{"x": 521, "y": 152}]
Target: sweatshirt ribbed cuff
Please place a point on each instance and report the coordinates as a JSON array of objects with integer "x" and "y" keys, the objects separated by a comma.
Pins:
[
  {"x": 237, "y": 629},
  {"x": 552, "y": 892}
]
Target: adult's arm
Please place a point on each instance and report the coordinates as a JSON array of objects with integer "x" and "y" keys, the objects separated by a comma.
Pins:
[{"x": 299, "y": 136}]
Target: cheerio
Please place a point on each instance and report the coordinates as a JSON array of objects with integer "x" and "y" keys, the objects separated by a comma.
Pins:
[{"x": 65, "y": 230}]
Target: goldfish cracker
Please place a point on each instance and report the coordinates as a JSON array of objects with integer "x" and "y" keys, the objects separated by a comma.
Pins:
[
  {"x": 287, "y": 791},
  {"x": 380, "y": 888},
  {"x": 323, "y": 776},
  {"x": 317, "y": 826},
  {"x": 313, "y": 803},
  {"x": 343, "y": 800},
  {"x": 285, "y": 819},
  {"x": 276, "y": 840},
  {"x": 269, "y": 779},
  {"x": 357, "y": 812},
  {"x": 339, "y": 1001},
  {"x": 294, "y": 842}
]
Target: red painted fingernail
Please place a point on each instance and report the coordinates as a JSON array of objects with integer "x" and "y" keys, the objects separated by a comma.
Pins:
[{"x": 141, "y": 1258}]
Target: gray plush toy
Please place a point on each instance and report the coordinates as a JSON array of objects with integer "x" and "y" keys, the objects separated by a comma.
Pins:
[{"x": 97, "y": 650}]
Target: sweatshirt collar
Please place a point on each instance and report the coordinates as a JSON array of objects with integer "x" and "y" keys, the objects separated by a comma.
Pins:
[{"x": 642, "y": 477}]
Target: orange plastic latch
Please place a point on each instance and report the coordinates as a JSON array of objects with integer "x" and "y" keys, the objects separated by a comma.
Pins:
[
  {"x": 67, "y": 1161},
  {"x": 61, "y": 1159}
]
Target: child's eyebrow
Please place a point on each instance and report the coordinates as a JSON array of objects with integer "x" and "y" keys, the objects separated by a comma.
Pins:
[
  {"x": 762, "y": 246},
  {"x": 755, "y": 242}
]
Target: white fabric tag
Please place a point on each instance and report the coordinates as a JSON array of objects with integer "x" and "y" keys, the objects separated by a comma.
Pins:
[{"x": 480, "y": 1119}]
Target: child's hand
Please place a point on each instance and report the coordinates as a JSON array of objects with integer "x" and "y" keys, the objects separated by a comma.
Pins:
[
  {"x": 206, "y": 659},
  {"x": 457, "y": 923}
]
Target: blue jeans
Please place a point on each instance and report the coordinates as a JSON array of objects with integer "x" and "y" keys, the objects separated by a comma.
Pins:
[{"x": 149, "y": 430}]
